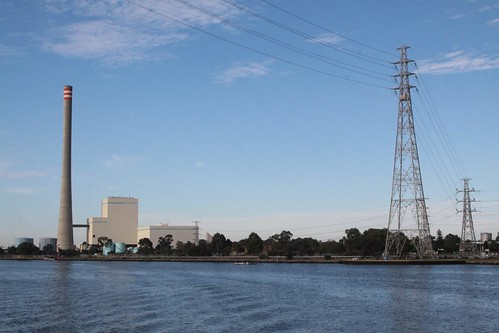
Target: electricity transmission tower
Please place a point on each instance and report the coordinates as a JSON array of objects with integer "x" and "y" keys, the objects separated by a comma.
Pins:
[
  {"x": 467, "y": 246},
  {"x": 196, "y": 232},
  {"x": 408, "y": 219}
]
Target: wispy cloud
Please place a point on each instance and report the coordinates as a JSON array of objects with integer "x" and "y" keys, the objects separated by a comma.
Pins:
[
  {"x": 250, "y": 70},
  {"x": 121, "y": 32},
  {"x": 7, "y": 170},
  {"x": 19, "y": 190},
  {"x": 487, "y": 8},
  {"x": 107, "y": 41},
  {"x": 458, "y": 16},
  {"x": 328, "y": 38},
  {"x": 458, "y": 62},
  {"x": 10, "y": 51},
  {"x": 494, "y": 22},
  {"x": 120, "y": 161},
  {"x": 199, "y": 164}
]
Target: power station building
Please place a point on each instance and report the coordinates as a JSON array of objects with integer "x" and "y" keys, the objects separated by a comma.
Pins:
[
  {"x": 182, "y": 234},
  {"x": 118, "y": 221}
]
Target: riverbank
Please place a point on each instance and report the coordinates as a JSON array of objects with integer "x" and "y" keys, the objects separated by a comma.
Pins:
[{"x": 253, "y": 260}]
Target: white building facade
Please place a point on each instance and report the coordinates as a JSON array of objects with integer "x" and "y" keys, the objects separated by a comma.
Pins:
[
  {"x": 118, "y": 221},
  {"x": 182, "y": 234}
]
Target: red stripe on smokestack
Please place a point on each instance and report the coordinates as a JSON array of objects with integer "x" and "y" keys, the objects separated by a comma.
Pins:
[{"x": 68, "y": 92}]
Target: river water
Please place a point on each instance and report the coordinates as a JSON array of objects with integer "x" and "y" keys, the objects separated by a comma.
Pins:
[{"x": 41, "y": 296}]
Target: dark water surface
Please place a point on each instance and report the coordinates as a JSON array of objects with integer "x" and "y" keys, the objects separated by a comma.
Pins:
[{"x": 222, "y": 297}]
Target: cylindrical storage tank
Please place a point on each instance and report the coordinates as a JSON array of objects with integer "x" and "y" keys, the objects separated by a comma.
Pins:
[
  {"x": 48, "y": 241},
  {"x": 485, "y": 237},
  {"x": 24, "y": 240},
  {"x": 119, "y": 248},
  {"x": 108, "y": 249}
]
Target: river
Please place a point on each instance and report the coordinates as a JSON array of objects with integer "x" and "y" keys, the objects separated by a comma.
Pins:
[{"x": 48, "y": 296}]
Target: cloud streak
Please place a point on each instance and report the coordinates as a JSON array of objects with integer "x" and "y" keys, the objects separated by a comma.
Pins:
[
  {"x": 250, "y": 70},
  {"x": 121, "y": 32},
  {"x": 458, "y": 62},
  {"x": 328, "y": 38},
  {"x": 119, "y": 161},
  {"x": 6, "y": 171},
  {"x": 19, "y": 190},
  {"x": 10, "y": 51}
]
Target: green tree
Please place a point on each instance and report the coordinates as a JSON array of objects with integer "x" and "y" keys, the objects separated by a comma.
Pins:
[
  {"x": 254, "y": 244},
  {"x": 438, "y": 244},
  {"x": 373, "y": 242},
  {"x": 203, "y": 249},
  {"x": 451, "y": 243},
  {"x": 164, "y": 245},
  {"x": 11, "y": 249},
  {"x": 281, "y": 244},
  {"x": 305, "y": 246},
  {"x": 104, "y": 241},
  {"x": 48, "y": 249},
  {"x": 493, "y": 246},
  {"x": 2, "y": 250},
  {"x": 352, "y": 241},
  {"x": 331, "y": 247},
  {"x": 183, "y": 249},
  {"x": 145, "y": 246},
  {"x": 240, "y": 247},
  {"x": 220, "y": 246},
  {"x": 26, "y": 248}
]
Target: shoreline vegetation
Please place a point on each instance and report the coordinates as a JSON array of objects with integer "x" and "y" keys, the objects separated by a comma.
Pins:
[
  {"x": 254, "y": 259},
  {"x": 355, "y": 248}
]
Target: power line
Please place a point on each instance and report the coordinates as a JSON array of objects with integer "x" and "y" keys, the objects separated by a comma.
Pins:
[
  {"x": 308, "y": 37},
  {"x": 286, "y": 45},
  {"x": 442, "y": 133},
  {"x": 352, "y": 53},
  {"x": 253, "y": 49}
]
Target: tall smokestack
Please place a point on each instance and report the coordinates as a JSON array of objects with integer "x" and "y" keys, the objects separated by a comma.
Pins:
[{"x": 65, "y": 230}]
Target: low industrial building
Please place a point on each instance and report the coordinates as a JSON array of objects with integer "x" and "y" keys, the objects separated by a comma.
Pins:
[{"x": 182, "y": 234}]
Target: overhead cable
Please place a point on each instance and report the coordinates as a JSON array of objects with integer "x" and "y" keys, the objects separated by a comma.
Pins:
[{"x": 290, "y": 62}]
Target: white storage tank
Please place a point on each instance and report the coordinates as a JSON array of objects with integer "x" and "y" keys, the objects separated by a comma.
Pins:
[
  {"x": 119, "y": 248},
  {"x": 44, "y": 241},
  {"x": 108, "y": 249},
  {"x": 485, "y": 237},
  {"x": 24, "y": 240}
]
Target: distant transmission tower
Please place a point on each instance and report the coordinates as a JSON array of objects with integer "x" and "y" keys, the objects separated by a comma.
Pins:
[
  {"x": 196, "y": 232},
  {"x": 467, "y": 247},
  {"x": 407, "y": 186}
]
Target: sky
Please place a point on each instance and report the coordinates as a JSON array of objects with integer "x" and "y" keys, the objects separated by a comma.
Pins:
[{"x": 246, "y": 115}]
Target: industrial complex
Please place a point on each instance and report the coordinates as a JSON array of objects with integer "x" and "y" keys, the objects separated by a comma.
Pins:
[{"x": 119, "y": 220}]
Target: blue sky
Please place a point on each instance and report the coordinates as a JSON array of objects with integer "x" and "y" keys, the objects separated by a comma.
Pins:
[{"x": 245, "y": 115}]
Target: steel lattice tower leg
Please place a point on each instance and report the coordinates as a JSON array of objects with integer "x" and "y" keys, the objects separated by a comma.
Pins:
[
  {"x": 407, "y": 186},
  {"x": 467, "y": 247}
]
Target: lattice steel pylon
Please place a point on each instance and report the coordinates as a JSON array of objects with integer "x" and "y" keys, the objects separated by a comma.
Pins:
[
  {"x": 407, "y": 186},
  {"x": 467, "y": 246}
]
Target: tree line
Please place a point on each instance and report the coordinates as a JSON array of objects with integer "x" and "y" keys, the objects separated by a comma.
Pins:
[{"x": 371, "y": 242}]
